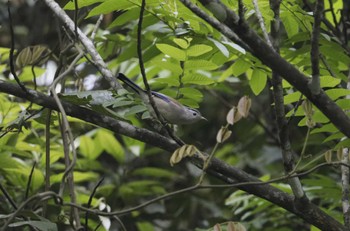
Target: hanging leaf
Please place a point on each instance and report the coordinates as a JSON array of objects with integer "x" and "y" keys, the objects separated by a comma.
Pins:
[
  {"x": 182, "y": 152},
  {"x": 233, "y": 116},
  {"x": 240, "y": 66},
  {"x": 328, "y": 156},
  {"x": 223, "y": 135},
  {"x": 220, "y": 46},
  {"x": 258, "y": 81},
  {"x": 244, "y": 105}
]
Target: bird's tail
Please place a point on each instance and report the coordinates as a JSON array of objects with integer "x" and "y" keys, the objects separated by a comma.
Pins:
[{"x": 130, "y": 83}]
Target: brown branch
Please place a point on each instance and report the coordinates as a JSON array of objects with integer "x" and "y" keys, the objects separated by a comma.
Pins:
[
  {"x": 217, "y": 168},
  {"x": 198, "y": 186},
  {"x": 273, "y": 60}
]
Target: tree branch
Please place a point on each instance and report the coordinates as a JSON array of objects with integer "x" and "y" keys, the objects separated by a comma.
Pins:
[
  {"x": 216, "y": 168},
  {"x": 272, "y": 59},
  {"x": 87, "y": 43}
]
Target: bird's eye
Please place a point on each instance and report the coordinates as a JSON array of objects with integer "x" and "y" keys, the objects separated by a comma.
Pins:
[{"x": 194, "y": 113}]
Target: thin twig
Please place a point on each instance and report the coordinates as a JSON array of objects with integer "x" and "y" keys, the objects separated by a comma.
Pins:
[
  {"x": 75, "y": 219},
  {"x": 262, "y": 23},
  {"x": 198, "y": 186},
  {"x": 143, "y": 73},
  {"x": 12, "y": 65},
  {"x": 29, "y": 180},
  {"x": 39, "y": 196},
  {"x": 76, "y": 9},
  {"x": 47, "y": 155},
  {"x": 120, "y": 222},
  {"x": 7, "y": 196},
  {"x": 90, "y": 200}
]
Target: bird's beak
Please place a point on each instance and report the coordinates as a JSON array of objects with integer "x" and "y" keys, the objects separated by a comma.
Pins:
[{"x": 203, "y": 118}]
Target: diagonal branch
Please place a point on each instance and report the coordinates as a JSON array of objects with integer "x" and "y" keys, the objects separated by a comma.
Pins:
[
  {"x": 272, "y": 59},
  {"x": 87, "y": 43},
  {"x": 217, "y": 168}
]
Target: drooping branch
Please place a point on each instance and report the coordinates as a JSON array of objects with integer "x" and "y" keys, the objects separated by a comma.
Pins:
[{"x": 217, "y": 168}]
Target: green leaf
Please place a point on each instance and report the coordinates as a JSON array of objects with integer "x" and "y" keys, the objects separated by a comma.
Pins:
[
  {"x": 145, "y": 226},
  {"x": 198, "y": 50},
  {"x": 240, "y": 66},
  {"x": 78, "y": 177},
  {"x": 154, "y": 172},
  {"x": 88, "y": 147},
  {"x": 169, "y": 81},
  {"x": 329, "y": 81},
  {"x": 126, "y": 17},
  {"x": 336, "y": 93},
  {"x": 335, "y": 136},
  {"x": 41, "y": 225},
  {"x": 109, "y": 6},
  {"x": 172, "y": 51},
  {"x": 27, "y": 74},
  {"x": 258, "y": 81},
  {"x": 183, "y": 43},
  {"x": 174, "y": 68},
  {"x": 290, "y": 24},
  {"x": 22, "y": 175},
  {"x": 110, "y": 144},
  {"x": 292, "y": 97},
  {"x": 191, "y": 93},
  {"x": 189, "y": 102},
  {"x": 135, "y": 109},
  {"x": 236, "y": 47},
  {"x": 81, "y": 3},
  {"x": 220, "y": 46},
  {"x": 325, "y": 128},
  {"x": 196, "y": 78},
  {"x": 200, "y": 65}
]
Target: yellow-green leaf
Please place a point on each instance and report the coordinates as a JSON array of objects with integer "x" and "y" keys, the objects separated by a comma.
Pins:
[
  {"x": 258, "y": 81},
  {"x": 172, "y": 51},
  {"x": 197, "y": 50}
]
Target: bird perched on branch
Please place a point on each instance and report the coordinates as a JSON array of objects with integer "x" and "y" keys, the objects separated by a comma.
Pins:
[{"x": 170, "y": 109}]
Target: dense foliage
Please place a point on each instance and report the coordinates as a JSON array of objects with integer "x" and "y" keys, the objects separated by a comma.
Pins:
[{"x": 189, "y": 59}]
